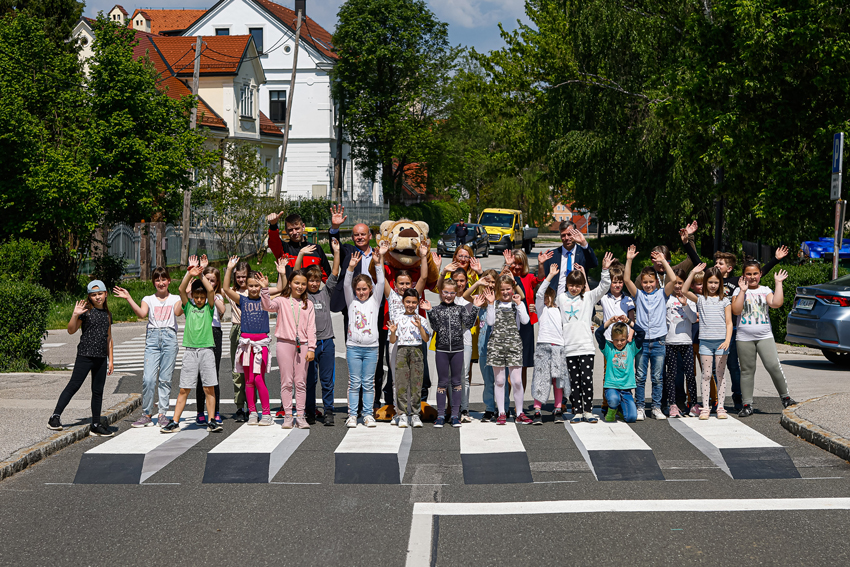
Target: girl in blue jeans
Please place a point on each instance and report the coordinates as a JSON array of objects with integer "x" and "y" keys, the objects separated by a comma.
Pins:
[
  {"x": 361, "y": 346},
  {"x": 161, "y": 310}
]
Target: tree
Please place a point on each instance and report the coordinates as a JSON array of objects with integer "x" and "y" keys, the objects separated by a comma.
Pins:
[
  {"x": 58, "y": 16},
  {"x": 394, "y": 57}
]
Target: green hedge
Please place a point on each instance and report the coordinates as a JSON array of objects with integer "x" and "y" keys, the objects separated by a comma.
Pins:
[
  {"x": 438, "y": 214},
  {"x": 21, "y": 259},
  {"x": 23, "y": 324},
  {"x": 802, "y": 275}
]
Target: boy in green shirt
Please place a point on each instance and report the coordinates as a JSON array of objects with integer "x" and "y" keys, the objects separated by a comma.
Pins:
[
  {"x": 199, "y": 356},
  {"x": 619, "y": 355}
]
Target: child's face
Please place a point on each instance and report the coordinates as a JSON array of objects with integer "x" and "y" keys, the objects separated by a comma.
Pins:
[
  {"x": 619, "y": 341},
  {"x": 448, "y": 294},
  {"x": 724, "y": 267},
  {"x": 98, "y": 299},
  {"x": 507, "y": 291},
  {"x": 575, "y": 289},
  {"x": 616, "y": 287},
  {"x": 313, "y": 285},
  {"x": 402, "y": 284},
  {"x": 241, "y": 278},
  {"x": 460, "y": 282},
  {"x": 713, "y": 285},
  {"x": 697, "y": 288},
  {"x": 298, "y": 285},
  {"x": 211, "y": 277},
  {"x": 362, "y": 290},
  {"x": 161, "y": 284},
  {"x": 753, "y": 276},
  {"x": 647, "y": 283},
  {"x": 677, "y": 287},
  {"x": 200, "y": 298},
  {"x": 254, "y": 288},
  {"x": 410, "y": 305}
]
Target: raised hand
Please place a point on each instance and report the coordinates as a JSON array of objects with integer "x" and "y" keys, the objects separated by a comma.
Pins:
[
  {"x": 578, "y": 237},
  {"x": 392, "y": 327},
  {"x": 451, "y": 267},
  {"x": 506, "y": 270},
  {"x": 193, "y": 260},
  {"x": 195, "y": 271},
  {"x": 281, "y": 264},
  {"x": 423, "y": 250},
  {"x": 606, "y": 260},
  {"x": 509, "y": 257},
  {"x": 262, "y": 280},
  {"x": 355, "y": 259},
  {"x": 780, "y": 276},
  {"x": 383, "y": 247},
  {"x": 80, "y": 308},
  {"x": 658, "y": 257},
  {"x": 631, "y": 253},
  {"x": 543, "y": 256},
  {"x": 335, "y": 245},
  {"x": 272, "y": 218},
  {"x": 121, "y": 293},
  {"x": 204, "y": 261},
  {"x": 517, "y": 298},
  {"x": 554, "y": 269},
  {"x": 489, "y": 295},
  {"x": 231, "y": 263},
  {"x": 691, "y": 228},
  {"x": 480, "y": 300},
  {"x": 781, "y": 252},
  {"x": 338, "y": 216},
  {"x": 698, "y": 268},
  {"x": 742, "y": 283},
  {"x": 475, "y": 265},
  {"x": 307, "y": 250},
  {"x": 425, "y": 304}
]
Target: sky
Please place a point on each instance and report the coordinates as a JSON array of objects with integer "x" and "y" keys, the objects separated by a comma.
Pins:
[{"x": 472, "y": 23}]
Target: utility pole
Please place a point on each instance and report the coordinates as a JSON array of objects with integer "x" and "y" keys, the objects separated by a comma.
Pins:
[
  {"x": 187, "y": 194},
  {"x": 279, "y": 182},
  {"x": 336, "y": 195},
  {"x": 835, "y": 195}
]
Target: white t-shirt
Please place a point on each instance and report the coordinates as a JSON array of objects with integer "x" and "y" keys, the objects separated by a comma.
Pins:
[
  {"x": 613, "y": 307},
  {"x": 754, "y": 324},
  {"x": 467, "y": 334},
  {"x": 680, "y": 321},
  {"x": 712, "y": 317},
  {"x": 407, "y": 333},
  {"x": 161, "y": 311},
  {"x": 216, "y": 317},
  {"x": 395, "y": 305}
]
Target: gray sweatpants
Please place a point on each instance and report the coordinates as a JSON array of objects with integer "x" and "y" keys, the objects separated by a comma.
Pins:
[{"x": 766, "y": 350}]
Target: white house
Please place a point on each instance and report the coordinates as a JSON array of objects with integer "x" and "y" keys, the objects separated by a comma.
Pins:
[{"x": 309, "y": 166}]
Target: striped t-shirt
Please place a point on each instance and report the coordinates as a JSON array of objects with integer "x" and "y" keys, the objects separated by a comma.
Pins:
[{"x": 712, "y": 317}]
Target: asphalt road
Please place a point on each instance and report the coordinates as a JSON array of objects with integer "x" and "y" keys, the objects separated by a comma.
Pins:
[{"x": 303, "y": 516}]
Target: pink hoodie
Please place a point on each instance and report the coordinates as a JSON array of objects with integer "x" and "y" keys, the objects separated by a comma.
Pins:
[{"x": 286, "y": 329}]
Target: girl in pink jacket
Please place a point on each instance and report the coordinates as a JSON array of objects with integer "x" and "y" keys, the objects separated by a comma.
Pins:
[{"x": 296, "y": 343}]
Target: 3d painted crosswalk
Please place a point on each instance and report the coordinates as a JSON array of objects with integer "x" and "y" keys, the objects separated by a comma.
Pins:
[{"x": 488, "y": 453}]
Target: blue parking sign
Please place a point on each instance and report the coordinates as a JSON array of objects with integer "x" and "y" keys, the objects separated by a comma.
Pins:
[{"x": 837, "y": 152}]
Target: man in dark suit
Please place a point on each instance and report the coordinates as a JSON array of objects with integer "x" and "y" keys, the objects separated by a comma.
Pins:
[{"x": 574, "y": 250}]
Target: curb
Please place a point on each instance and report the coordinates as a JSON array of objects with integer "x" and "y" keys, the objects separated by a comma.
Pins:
[
  {"x": 814, "y": 434},
  {"x": 805, "y": 351},
  {"x": 23, "y": 458}
]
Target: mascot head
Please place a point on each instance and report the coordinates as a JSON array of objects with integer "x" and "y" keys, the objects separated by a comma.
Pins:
[{"x": 404, "y": 237}]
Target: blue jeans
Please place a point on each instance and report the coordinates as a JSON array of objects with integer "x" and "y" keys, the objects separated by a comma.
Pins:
[
  {"x": 160, "y": 358},
  {"x": 362, "y": 362},
  {"x": 323, "y": 367},
  {"x": 653, "y": 351},
  {"x": 623, "y": 400}
]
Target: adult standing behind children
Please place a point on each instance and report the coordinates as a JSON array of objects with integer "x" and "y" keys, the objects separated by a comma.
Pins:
[
  {"x": 574, "y": 250},
  {"x": 461, "y": 230},
  {"x": 294, "y": 226}
]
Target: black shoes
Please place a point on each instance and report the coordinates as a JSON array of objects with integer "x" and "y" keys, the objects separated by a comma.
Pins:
[
  {"x": 487, "y": 417},
  {"x": 329, "y": 418},
  {"x": 559, "y": 415},
  {"x": 738, "y": 401},
  {"x": 746, "y": 411},
  {"x": 311, "y": 417},
  {"x": 171, "y": 427},
  {"x": 538, "y": 418},
  {"x": 788, "y": 401},
  {"x": 240, "y": 416},
  {"x": 214, "y": 426},
  {"x": 54, "y": 423},
  {"x": 100, "y": 430}
]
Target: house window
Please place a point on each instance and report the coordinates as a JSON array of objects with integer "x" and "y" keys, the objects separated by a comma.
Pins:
[
  {"x": 277, "y": 106},
  {"x": 222, "y": 31},
  {"x": 257, "y": 34},
  {"x": 246, "y": 101}
]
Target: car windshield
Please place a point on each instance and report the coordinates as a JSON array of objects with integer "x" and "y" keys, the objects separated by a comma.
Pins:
[{"x": 504, "y": 220}]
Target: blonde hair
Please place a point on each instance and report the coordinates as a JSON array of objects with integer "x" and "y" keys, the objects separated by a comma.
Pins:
[{"x": 520, "y": 255}]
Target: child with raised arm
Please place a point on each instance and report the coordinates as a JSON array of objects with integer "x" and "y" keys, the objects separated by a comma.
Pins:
[
  {"x": 407, "y": 332},
  {"x": 715, "y": 317},
  {"x": 487, "y": 281},
  {"x": 619, "y": 352},
  {"x": 214, "y": 277},
  {"x": 551, "y": 362},
  {"x": 296, "y": 342},
  {"x": 361, "y": 347},
  {"x": 252, "y": 354},
  {"x": 577, "y": 307},
  {"x": 199, "y": 356},
  {"x": 651, "y": 316},
  {"x": 94, "y": 354},
  {"x": 161, "y": 310},
  {"x": 753, "y": 302},
  {"x": 681, "y": 316}
]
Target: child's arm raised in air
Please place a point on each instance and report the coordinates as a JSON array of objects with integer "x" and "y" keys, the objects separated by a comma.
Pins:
[
  {"x": 192, "y": 272},
  {"x": 380, "y": 279},
  {"x": 210, "y": 290},
  {"x": 305, "y": 251},
  {"x": 595, "y": 294},
  {"x": 267, "y": 302},
  {"x": 349, "y": 278},
  {"x": 777, "y": 298},
  {"x": 686, "y": 288},
  {"x": 225, "y": 284},
  {"x": 280, "y": 265},
  {"x": 335, "y": 248},
  {"x": 424, "y": 251},
  {"x": 75, "y": 322},
  {"x": 631, "y": 254},
  {"x": 780, "y": 253},
  {"x": 668, "y": 271},
  {"x": 141, "y": 311},
  {"x": 741, "y": 296}
]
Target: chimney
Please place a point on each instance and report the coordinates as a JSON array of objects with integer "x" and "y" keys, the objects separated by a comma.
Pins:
[{"x": 301, "y": 5}]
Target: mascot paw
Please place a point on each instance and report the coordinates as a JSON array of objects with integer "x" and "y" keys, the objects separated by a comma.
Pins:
[
  {"x": 385, "y": 413},
  {"x": 428, "y": 413}
]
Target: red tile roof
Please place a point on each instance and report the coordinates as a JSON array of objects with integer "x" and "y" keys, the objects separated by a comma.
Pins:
[
  {"x": 120, "y": 7},
  {"x": 221, "y": 54},
  {"x": 268, "y": 127},
  {"x": 169, "y": 20},
  {"x": 415, "y": 178},
  {"x": 311, "y": 32}
]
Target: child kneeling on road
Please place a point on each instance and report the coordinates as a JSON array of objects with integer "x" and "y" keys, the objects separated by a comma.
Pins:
[{"x": 619, "y": 355}]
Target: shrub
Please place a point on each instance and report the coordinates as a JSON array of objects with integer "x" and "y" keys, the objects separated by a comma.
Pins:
[
  {"x": 438, "y": 214},
  {"x": 109, "y": 269},
  {"x": 23, "y": 323},
  {"x": 21, "y": 260},
  {"x": 802, "y": 275}
]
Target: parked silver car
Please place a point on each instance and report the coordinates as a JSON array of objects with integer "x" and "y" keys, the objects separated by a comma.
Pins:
[{"x": 820, "y": 319}]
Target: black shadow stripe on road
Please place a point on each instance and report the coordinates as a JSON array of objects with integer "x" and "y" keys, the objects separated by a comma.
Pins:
[
  {"x": 614, "y": 452},
  {"x": 493, "y": 454},
  {"x": 252, "y": 454},
  {"x": 372, "y": 455}
]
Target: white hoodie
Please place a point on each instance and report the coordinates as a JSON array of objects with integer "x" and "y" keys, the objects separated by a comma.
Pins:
[
  {"x": 363, "y": 315},
  {"x": 577, "y": 313}
]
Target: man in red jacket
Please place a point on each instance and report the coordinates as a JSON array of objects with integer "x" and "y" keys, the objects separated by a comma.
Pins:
[{"x": 294, "y": 226}]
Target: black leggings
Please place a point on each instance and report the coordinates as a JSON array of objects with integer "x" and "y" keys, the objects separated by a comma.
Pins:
[
  {"x": 82, "y": 366},
  {"x": 200, "y": 397}
]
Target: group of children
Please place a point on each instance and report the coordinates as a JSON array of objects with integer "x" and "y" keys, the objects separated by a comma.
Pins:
[{"x": 668, "y": 320}]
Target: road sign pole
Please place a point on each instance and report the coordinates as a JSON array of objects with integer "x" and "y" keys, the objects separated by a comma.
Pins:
[
  {"x": 839, "y": 235},
  {"x": 835, "y": 195}
]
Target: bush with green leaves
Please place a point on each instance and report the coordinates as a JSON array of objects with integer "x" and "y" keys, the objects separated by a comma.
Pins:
[
  {"x": 21, "y": 259},
  {"x": 23, "y": 323},
  {"x": 109, "y": 269}
]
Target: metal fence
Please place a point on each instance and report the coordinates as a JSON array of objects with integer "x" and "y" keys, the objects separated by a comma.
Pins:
[{"x": 367, "y": 213}]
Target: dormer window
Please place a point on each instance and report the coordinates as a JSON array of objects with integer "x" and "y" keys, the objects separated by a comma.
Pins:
[{"x": 246, "y": 101}]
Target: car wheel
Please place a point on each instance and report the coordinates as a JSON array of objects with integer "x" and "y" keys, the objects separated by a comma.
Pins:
[{"x": 837, "y": 357}]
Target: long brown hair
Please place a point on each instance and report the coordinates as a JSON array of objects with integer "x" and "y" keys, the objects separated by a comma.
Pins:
[
  {"x": 713, "y": 272},
  {"x": 90, "y": 305},
  {"x": 287, "y": 289},
  {"x": 214, "y": 270}
]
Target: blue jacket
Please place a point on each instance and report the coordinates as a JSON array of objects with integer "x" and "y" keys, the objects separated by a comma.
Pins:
[{"x": 584, "y": 256}]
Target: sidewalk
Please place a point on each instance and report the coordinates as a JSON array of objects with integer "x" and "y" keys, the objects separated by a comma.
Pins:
[
  {"x": 823, "y": 421},
  {"x": 26, "y": 400}
]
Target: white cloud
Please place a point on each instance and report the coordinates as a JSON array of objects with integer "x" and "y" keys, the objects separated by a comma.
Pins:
[{"x": 478, "y": 13}]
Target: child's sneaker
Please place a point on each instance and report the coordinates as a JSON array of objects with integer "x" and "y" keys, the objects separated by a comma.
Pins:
[
  {"x": 214, "y": 427},
  {"x": 788, "y": 401},
  {"x": 201, "y": 419},
  {"x": 721, "y": 413},
  {"x": 502, "y": 419},
  {"x": 455, "y": 422},
  {"x": 302, "y": 422},
  {"x": 100, "y": 430},
  {"x": 537, "y": 419},
  {"x": 464, "y": 417},
  {"x": 351, "y": 422},
  {"x": 394, "y": 420},
  {"x": 522, "y": 418},
  {"x": 641, "y": 414},
  {"x": 658, "y": 414},
  {"x": 240, "y": 416},
  {"x": 441, "y": 421},
  {"x": 162, "y": 420},
  {"x": 170, "y": 427},
  {"x": 704, "y": 413},
  {"x": 328, "y": 419},
  {"x": 576, "y": 418},
  {"x": 369, "y": 421},
  {"x": 611, "y": 416},
  {"x": 288, "y": 422},
  {"x": 487, "y": 417},
  {"x": 218, "y": 419},
  {"x": 54, "y": 423},
  {"x": 746, "y": 411},
  {"x": 674, "y": 411},
  {"x": 144, "y": 421},
  {"x": 402, "y": 421},
  {"x": 558, "y": 414},
  {"x": 266, "y": 420},
  {"x": 253, "y": 418},
  {"x": 695, "y": 410},
  {"x": 590, "y": 417},
  {"x": 415, "y": 421}
]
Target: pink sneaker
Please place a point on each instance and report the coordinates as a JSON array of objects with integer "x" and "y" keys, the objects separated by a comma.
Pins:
[
  {"x": 721, "y": 413},
  {"x": 522, "y": 418},
  {"x": 674, "y": 411},
  {"x": 695, "y": 410},
  {"x": 502, "y": 419}
]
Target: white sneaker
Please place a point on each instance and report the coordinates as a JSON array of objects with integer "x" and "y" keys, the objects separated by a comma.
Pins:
[
  {"x": 641, "y": 414},
  {"x": 415, "y": 421},
  {"x": 402, "y": 422},
  {"x": 395, "y": 419},
  {"x": 253, "y": 418},
  {"x": 658, "y": 414},
  {"x": 266, "y": 419},
  {"x": 351, "y": 421},
  {"x": 369, "y": 421}
]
